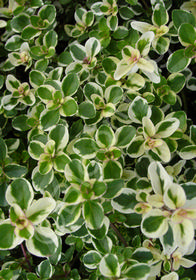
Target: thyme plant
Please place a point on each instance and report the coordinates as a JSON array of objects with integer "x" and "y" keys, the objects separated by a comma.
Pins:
[{"x": 97, "y": 147}]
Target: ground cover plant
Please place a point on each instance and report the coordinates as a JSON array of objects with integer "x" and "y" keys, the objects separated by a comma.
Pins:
[{"x": 98, "y": 142}]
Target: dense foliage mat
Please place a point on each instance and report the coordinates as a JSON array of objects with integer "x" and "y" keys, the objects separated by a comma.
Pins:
[{"x": 98, "y": 145}]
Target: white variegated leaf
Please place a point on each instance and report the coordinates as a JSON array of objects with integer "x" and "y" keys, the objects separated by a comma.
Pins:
[
  {"x": 174, "y": 196},
  {"x": 40, "y": 209},
  {"x": 44, "y": 242},
  {"x": 160, "y": 179},
  {"x": 154, "y": 224},
  {"x": 141, "y": 26},
  {"x": 183, "y": 233},
  {"x": 167, "y": 127}
]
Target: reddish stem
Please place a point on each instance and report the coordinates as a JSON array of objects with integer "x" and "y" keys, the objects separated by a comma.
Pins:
[{"x": 25, "y": 256}]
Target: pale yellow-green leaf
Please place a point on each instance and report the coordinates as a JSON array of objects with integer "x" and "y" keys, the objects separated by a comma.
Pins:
[
  {"x": 183, "y": 233},
  {"x": 174, "y": 197},
  {"x": 141, "y": 26},
  {"x": 145, "y": 65},
  {"x": 123, "y": 68},
  {"x": 162, "y": 151},
  {"x": 148, "y": 127}
]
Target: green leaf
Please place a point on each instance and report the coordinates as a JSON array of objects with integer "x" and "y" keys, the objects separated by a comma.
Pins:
[
  {"x": 89, "y": 18},
  {"x": 78, "y": 52},
  {"x": 114, "y": 188},
  {"x": 142, "y": 254},
  {"x": 109, "y": 266},
  {"x": 3, "y": 150},
  {"x": 126, "y": 13},
  {"x": 177, "y": 61},
  {"x": 160, "y": 179},
  {"x": 109, "y": 64},
  {"x": 138, "y": 109},
  {"x": 86, "y": 147},
  {"x": 138, "y": 272},
  {"x": 20, "y": 192},
  {"x": 48, "y": 12},
  {"x": 193, "y": 133},
  {"x": 14, "y": 43},
  {"x": 105, "y": 136},
  {"x": 92, "y": 47},
  {"x": 160, "y": 15},
  {"x": 136, "y": 148},
  {"x": 101, "y": 232},
  {"x": 144, "y": 43},
  {"x": 161, "y": 45},
  {"x": 113, "y": 94},
  {"x": 112, "y": 22},
  {"x": 45, "y": 93},
  {"x": 70, "y": 84},
  {"x": 69, "y": 107},
  {"x": 174, "y": 196},
  {"x": 19, "y": 22},
  {"x": 20, "y": 123},
  {"x": 36, "y": 148},
  {"x": 49, "y": 118},
  {"x": 29, "y": 33},
  {"x": 45, "y": 270},
  {"x": 15, "y": 170},
  {"x": 3, "y": 189},
  {"x": 64, "y": 59},
  {"x": 50, "y": 39},
  {"x": 167, "y": 241},
  {"x": 45, "y": 164},
  {"x": 180, "y": 16},
  {"x": 176, "y": 81},
  {"x": 41, "y": 181},
  {"x": 36, "y": 4},
  {"x": 68, "y": 215},
  {"x": 40, "y": 209},
  {"x": 154, "y": 224},
  {"x": 75, "y": 171},
  {"x": 94, "y": 170},
  {"x": 92, "y": 88},
  {"x": 91, "y": 259},
  {"x": 124, "y": 135},
  {"x": 190, "y": 190},
  {"x": 72, "y": 196},
  {"x": 112, "y": 170},
  {"x": 93, "y": 214},
  {"x": 87, "y": 110},
  {"x": 60, "y": 135},
  {"x": 167, "y": 127},
  {"x": 125, "y": 202},
  {"x": 37, "y": 78},
  {"x": 187, "y": 34},
  {"x": 188, "y": 152},
  {"x": 32, "y": 276},
  {"x": 43, "y": 243},
  {"x": 104, "y": 245},
  {"x": 8, "y": 239},
  {"x": 60, "y": 161},
  {"x": 121, "y": 32}
]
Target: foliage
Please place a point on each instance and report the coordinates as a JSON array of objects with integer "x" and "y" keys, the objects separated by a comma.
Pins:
[{"x": 97, "y": 149}]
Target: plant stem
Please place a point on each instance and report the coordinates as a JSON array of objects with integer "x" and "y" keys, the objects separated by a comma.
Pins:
[
  {"x": 119, "y": 235},
  {"x": 25, "y": 256}
]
